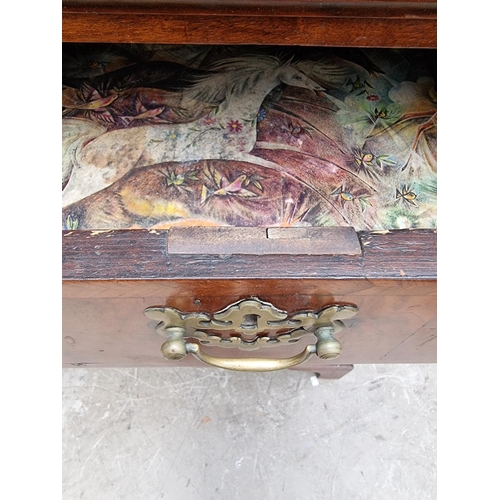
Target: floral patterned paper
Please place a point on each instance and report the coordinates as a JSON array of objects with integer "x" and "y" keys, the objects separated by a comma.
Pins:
[{"x": 156, "y": 136}]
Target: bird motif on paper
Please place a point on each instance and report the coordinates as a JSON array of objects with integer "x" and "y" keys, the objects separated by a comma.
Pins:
[
  {"x": 90, "y": 101},
  {"x": 143, "y": 113},
  {"x": 226, "y": 187},
  {"x": 406, "y": 195}
]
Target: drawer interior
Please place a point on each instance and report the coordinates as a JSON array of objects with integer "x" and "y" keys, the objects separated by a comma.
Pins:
[{"x": 156, "y": 136}]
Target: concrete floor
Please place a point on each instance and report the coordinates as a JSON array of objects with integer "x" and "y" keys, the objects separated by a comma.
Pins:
[{"x": 189, "y": 434}]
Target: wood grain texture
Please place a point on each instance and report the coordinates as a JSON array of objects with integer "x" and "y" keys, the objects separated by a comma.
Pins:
[
  {"x": 212, "y": 293},
  {"x": 416, "y": 9},
  {"x": 389, "y": 328},
  {"x": 337, "y": 240},
  {"x": 142, "y": 255},
  {"x": 112, "y": 276},
  {"x": 354, "y": 24},
  {"x": 334, "y": 32}
]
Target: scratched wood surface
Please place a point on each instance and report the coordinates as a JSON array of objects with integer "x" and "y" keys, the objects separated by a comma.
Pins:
[
  {"x": 337, "y": 240},
  {"x": 348, "y": 23},
  {"x": 142, "y": 255},
  {"x": 110, "y": 329},
  {"x": 104, "y": 325}
]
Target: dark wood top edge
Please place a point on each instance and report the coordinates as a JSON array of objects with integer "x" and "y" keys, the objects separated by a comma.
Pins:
[
  {"x": 218, "y": 3},
  {"x": 365, "y": 9},
  {"x": 142, "y": 255},
  {"x": 344, "y": 9}
]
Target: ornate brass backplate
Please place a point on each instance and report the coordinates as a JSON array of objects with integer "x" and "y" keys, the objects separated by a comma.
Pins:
[{"x": 250, "y": 324}]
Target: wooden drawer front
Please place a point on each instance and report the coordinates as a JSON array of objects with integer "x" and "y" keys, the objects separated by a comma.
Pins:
[
  {"x": 111, "y": 277},
  {"x": 104, "y": 323}
]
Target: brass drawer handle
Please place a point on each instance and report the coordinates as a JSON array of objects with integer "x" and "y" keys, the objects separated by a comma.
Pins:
[
  {"x": 176, "y": 348},
  {"x": 245, "y": 320}
]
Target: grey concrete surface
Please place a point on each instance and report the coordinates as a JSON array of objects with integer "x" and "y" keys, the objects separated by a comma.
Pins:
[{"x": 190, "y": 434}]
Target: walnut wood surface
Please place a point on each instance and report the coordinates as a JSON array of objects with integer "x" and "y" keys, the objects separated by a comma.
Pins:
[
  {"x": 104, "y": 325},
  {"x": 142, "y": 254},
  {"x": 111, "y": 277},
  {"x": 349, "y": 23},
  {"x": 339, "y": 240}
]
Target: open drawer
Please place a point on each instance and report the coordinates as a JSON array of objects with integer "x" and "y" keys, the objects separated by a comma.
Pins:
[{"x": 259, "y": 207}]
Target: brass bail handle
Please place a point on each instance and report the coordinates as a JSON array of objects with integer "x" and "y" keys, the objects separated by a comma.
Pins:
[{"x": 253, "y": 317}]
